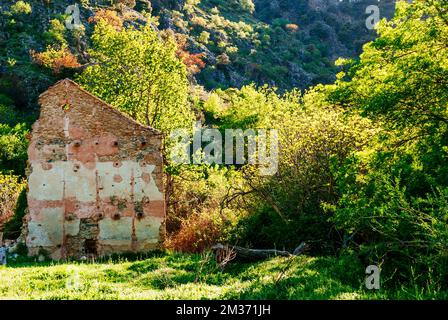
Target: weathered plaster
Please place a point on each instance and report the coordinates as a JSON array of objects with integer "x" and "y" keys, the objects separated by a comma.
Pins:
[
  {"x": 95, "y": 178},
  {"x": 46, "y": 228}
]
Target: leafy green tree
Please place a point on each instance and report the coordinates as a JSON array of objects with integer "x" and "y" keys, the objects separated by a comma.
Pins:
[
  {"x": 286, "y": 208},
  {"x": 402, "y": 76},
  {"x": 139, "y": 73},
  {"x": 393, "y": 204}
]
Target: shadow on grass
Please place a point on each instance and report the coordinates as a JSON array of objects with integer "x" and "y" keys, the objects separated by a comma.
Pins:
[
  {"x": 303, "y": 278},
  {"x": 182, "y": 276},
  {"x": 279, "y": 278}
]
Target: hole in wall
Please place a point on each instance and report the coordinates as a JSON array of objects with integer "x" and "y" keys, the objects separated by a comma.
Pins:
[{"x": 90, "y": 246}]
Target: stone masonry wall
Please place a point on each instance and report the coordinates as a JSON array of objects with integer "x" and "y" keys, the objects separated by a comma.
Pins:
[{"x": 95, "y": 179}]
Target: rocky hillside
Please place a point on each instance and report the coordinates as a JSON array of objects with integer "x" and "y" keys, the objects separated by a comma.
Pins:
[
  {"x": 283, "y": 43},
  {"x": 286, "y": 43}
]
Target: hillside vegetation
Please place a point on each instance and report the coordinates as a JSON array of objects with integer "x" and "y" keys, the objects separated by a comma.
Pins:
[{"x": 287, "y": 44}]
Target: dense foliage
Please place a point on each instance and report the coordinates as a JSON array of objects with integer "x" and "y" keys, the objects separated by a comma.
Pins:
[
  {"x": 10, "y": 189},
  {"x": 313, "y": 137},
  {"x": 140, "y": 74},
  {"x": 393, "y": 201},
  {"x": 362, "y": 170}
]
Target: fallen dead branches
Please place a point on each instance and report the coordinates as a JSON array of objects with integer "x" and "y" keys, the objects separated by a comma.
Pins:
[{"x": 225, "y": 254}]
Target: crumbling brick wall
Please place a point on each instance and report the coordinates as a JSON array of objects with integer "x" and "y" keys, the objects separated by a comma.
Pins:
[{"x": 95, "y": 178}]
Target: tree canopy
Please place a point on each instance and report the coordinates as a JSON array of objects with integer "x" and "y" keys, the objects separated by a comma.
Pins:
[{"x": 138, "y": 72}]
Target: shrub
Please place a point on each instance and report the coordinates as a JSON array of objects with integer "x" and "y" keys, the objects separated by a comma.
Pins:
[
  {"x": 286, "y": 208},
  {"x": 7, "y": 114},
  {"x": 13, "y": 148},
  {"x": 199, "y": 211},
  {"x": 204, "y": 37},
  {"x": 291, "y": 201},
  {"x": 197, "y": 233},
  {"x": 127, "y": 3},
  {"x": 55, "y": 33},
  {"x": 193, "y": 61},
  {"x": 21, "y": 7},
  {"x": 231, "y": 50},
  {"x": 199, "y": 21},
  {"x": 292, "y": 27},
  {"x": 56, "y": 59},
  {"x": 248, "y": 5},
  {"x": 10, "y": 188},
  {"x": 321, "y": 31},
  {"x": 223, "y": 59},
  {"x": 110, "y": 17},
  {"x": 406, "y": 235},
  {"x": 13, "y": 227}
]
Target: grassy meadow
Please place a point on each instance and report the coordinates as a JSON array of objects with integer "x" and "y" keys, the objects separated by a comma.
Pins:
[{"x": 187, "y": 276}]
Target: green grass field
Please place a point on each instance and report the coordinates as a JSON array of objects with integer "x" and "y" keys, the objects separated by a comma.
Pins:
[{"x": 181, "y": 276}]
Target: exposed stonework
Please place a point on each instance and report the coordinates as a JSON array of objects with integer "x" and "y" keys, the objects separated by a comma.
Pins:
[{"x": 95, "y": 178}]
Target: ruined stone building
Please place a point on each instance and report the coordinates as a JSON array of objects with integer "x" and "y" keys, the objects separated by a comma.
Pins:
[{"x": 95, "y": 179}]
